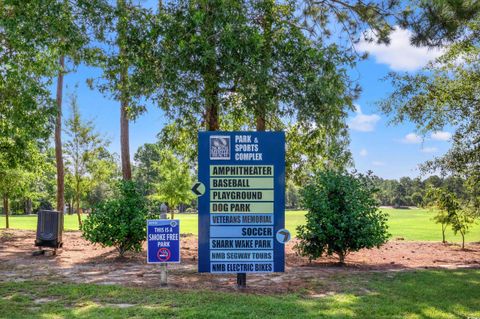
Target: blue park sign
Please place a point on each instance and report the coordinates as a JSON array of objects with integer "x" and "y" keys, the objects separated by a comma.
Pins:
[
  {"x": 242, "y": 202},
  {"x": 163, "y": 241}
]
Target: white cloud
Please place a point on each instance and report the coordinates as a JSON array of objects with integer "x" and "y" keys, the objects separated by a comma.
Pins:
[
  {"x": 441, "y": 136},
  {"x": 411, "y": 138},
  {"x": 378, "y": 163},
  {"x": 429, "y": 149},
  {"x": 363, "y": 122},
  {"x": 400, "y": 55},
  {"x": 363, "y": 152}
]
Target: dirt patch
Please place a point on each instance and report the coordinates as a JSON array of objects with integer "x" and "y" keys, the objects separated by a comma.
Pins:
[
  {"x": 44, "y": 300},
  {"x": 81, "y": 262}
]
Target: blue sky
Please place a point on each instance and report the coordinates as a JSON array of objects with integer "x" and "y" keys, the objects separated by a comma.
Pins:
[{"x": 389, "y": 151}]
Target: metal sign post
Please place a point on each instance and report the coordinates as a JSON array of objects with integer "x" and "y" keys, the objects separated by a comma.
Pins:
[
  {"x": 242, "y": 280},
  {"x": 241, "y": 202},
  {"x": 163, "y": 275}
]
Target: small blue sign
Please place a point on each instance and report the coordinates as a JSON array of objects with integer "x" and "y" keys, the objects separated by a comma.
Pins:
[
  {"x": 242, "y": 205},
  {"x": 163, "y": 241}
]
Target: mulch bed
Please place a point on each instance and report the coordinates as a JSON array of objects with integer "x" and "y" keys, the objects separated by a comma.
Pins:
[{"x": 81, "y": 262}]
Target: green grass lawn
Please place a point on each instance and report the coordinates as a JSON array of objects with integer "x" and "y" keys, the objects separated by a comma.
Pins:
[
  {"x": 30, "y": 222},
  {"x": 420, "y": 294},
  {"x": 417, "y": 224},
  {"x": 410, "y": 224}
]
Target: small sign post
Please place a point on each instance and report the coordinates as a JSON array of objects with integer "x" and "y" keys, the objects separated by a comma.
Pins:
[{"x": 163, "y": 244}]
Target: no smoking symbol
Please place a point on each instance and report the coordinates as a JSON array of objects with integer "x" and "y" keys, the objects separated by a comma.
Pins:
[{"x": 163, "y": 254}]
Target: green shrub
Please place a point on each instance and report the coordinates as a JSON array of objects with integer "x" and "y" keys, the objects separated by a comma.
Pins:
[
  {"x": 450, "y": 212},
  {"x": 119, "y": 222},
  {"x": 342, "y": 215}
]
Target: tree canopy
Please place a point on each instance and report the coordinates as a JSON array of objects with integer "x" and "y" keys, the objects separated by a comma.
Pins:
[
  {"x": 445, "y": 92},
  {"x": 256, "y": 64}
]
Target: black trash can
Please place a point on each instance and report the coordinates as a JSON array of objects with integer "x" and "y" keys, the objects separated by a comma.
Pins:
[{"x": 49, "y": 229}]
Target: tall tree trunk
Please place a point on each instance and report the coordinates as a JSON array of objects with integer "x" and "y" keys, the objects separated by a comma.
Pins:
[
  {"x": 125, "y": 141},
  {"x": 28, "y": 206},
  {"x": 58, "y": 140},
  {"x": 463, "y": 239},
  {"x": 264, "y": 94},
  {"x": 6, "y": 211},
  {"x": 79, "y": 214},
  {"x": 210, "y": 73},
  {"x": 444, "y": 227},
  {"x": 124, "y": 94},
  {"x": 77, "y": 198},
  {"x": 211, "y": 102},
  {"x": 261, "y": 125}
]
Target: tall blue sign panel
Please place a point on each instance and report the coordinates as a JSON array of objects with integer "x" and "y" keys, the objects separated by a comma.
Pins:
[
  {"x": 163, "y": 241},
  {"x": 243, "y": 206}
]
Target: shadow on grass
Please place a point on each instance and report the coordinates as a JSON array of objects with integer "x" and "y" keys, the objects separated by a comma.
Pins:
[{"x": 419, "y": 294}]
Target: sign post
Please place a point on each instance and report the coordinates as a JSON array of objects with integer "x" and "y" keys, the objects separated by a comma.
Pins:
[
  {"x": 163, "y": 244},
  {"x": 242, "y": 204}
]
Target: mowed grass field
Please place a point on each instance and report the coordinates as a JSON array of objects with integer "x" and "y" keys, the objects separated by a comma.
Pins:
[
  {"x": 409, "y": 224},
  {"x": 414, "y": 294}
]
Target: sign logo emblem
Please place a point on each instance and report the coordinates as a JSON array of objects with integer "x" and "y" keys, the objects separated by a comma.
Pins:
[
  {"x": 219, "y": 147},
  {"x": 164, "y": 254}
]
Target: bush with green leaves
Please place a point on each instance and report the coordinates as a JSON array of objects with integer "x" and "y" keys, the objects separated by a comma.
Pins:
[
  {"x": 120, "y": 221},
  {"x": 342, "y": 217}
]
